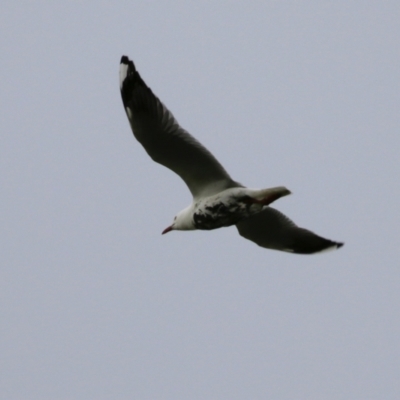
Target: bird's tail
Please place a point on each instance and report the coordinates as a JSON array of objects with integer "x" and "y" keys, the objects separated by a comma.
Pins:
[{"x": 267, "y": 196}]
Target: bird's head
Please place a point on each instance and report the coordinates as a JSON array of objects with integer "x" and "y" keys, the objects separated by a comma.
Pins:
[{"x": 183, "y": 221}]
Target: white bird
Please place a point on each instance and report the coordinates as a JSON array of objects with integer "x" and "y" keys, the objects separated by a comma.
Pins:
[{"x": 218, "y": 200}]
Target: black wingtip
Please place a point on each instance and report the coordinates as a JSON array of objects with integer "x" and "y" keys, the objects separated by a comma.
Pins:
[
  {"x": 332, "y": 246},
  {"x": 129, "y": 80},
  {"x": 131, "y": 70},
  {"x": 313, "y": 243},
  {"x": 124, "y": 60}
]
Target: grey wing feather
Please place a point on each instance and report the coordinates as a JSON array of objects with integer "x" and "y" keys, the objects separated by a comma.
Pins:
[
  {"x": 165, "y": 141},
  {"x": 273, "y": 230}
]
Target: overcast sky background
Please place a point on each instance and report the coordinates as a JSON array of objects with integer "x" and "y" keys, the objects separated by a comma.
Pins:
[{"x": 96, "y": 304}]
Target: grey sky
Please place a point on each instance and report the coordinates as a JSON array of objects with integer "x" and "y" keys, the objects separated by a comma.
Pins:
[{"x": 96, "y": 304}]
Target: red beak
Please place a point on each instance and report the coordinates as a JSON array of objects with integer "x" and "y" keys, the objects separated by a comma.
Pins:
[{"x": 166, "y": 230}]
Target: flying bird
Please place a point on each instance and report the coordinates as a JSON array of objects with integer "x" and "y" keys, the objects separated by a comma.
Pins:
[{"x": 218, "y": 200}]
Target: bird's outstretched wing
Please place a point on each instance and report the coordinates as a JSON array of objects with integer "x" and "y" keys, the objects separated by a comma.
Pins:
[
  {"x": 273, "y": 230},
  {"x": 165, "y": 141}
]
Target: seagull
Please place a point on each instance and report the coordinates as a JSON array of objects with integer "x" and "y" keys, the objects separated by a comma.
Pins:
[{"x": 218, "y": 200}]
